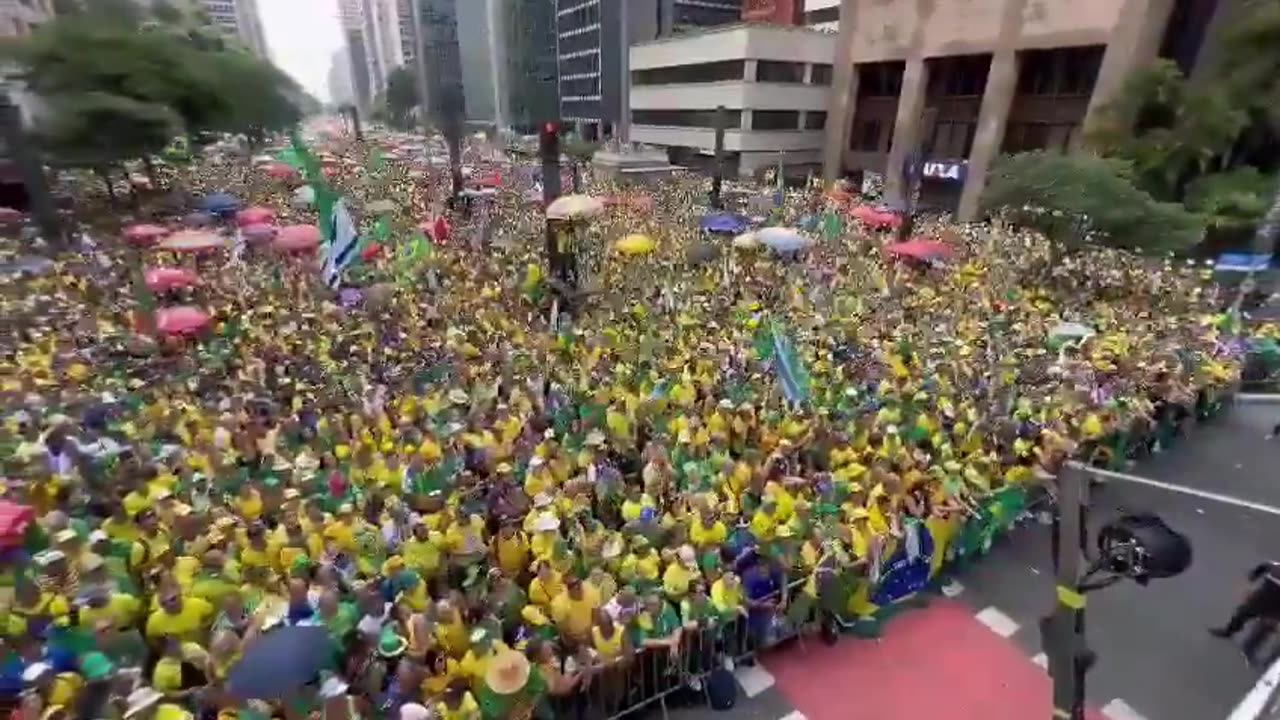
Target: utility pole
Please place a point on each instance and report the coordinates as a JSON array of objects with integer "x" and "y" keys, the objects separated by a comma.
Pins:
[
  {"x": 717, "y": 180},
  {"x": 25, "y": 155},
  {"x": 557, "y": 255},
  {"x": 1062, "y": 633}
]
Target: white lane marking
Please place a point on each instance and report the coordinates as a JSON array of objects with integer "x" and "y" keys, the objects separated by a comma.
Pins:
[
  {"x": 1120, "y": 710},
  {"x": 998, "y": 622},
  {"x": 953, "y": 589},
  {"x": 794, "y": 715},
  {"x": 1257, "y": 397},
  {"x": 753, "y": 679},
  {"x": 1194, "y": 492},
  {"x": 1041, "y": 661}
]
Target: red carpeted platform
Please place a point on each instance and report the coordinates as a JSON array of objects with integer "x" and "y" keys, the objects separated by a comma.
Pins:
[{"x": 937, "y": 663}]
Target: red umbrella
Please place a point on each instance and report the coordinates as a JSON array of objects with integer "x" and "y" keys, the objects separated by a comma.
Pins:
[
  {"x": 164, "y": 278},
  {"x": 491, "y": 181},
  {"x": 14, "y": 521},
  {"x": 10, "y": 215},
  {"x": 279, "y": 171},
  {"x": 144, "y": 235},
  {"x": 920, "y": 249},
  {"x": 297, "y": 238},
  {"x": 184, "y": 320},
  {"x": 259, "y": 232},
  {"x": 254, "y": 216}
]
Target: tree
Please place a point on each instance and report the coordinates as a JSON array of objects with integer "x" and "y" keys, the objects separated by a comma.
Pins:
[
  {"x": 99, "y": 130},
  {"x": 402, "y": 96},
  {"x": 1078, "y": 199},
  {"x": 259, "y": 98}
]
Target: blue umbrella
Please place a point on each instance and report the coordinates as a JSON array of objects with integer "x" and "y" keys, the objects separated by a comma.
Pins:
[
  {"x": 725, "y": 222},
  {"x": 220, "y": 203},
  {"x": 277, "y": 664}
]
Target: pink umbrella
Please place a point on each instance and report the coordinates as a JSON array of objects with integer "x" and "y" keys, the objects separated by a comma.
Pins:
[
  {"x": 10, "y": 215},
  {"x": 297, "y": 239},
  {"x": 164, "y": 278},
  {"x": 184, "y": 320},
  {"x": 259, "y": 232},
  {"x": 279, "y": 171},
  {"x": 254, "y": 216},
  {"x": 192, "y": 241},
  {"x": 144, "y": 235},
  {"x": 920, "y": 249}
]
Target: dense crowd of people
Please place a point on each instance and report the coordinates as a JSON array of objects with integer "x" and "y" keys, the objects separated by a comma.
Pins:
[{"x": 491, "y": 511}]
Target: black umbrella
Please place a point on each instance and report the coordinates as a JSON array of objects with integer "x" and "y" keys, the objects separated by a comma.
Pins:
[{"x": 279, "y": 663}]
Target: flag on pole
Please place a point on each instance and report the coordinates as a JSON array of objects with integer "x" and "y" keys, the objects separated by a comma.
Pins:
[
  {"x": 325, "y": 197},
  {"x": 345, "y": 244},
  {"x": 788, "y": 365}
]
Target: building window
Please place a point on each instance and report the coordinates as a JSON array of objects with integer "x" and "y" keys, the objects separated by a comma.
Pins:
[
  {"x": 820, "y": 75},
  {"x": 958, "y": 76},
  {"x": 952, "y": 139},
  {"x": 1061, "y": 71},
  {"x": 865, "y": 136},
  {"x": 822, "y": 15},
  {"x": 1028, "y": 136},
  {"x": 725, "y": 70},
  {"x": 775, "y": 120},
  {"x": 815, "y": 120},
  {"x": 880, "y": 79},
  {"x": 779, "y": 72},
  {"x": 686, "y": 118}
]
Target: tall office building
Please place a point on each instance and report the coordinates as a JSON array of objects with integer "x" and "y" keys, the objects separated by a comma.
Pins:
[
  {"x": 525, "y": 64},
  {"x": 341, "y": 87},
  {"x": 952, "y": 85},
  {"x": 441, "y": 64},
  {"x": 239, "y": 18},
  {"x": 351, "y": 17},
  {"x": 408, "y": 30},
  {"x": 592, "y": 39},
  {"x": 463, "y": 78}
]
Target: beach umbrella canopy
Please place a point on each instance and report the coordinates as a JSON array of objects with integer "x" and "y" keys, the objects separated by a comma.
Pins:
[
  {"x": 746, "y": 241},
  {"x": 144, "y": 234},
  {"x": 724, "y": 222},
  {"x": 198, "y": 219},
  {"x": 192, "y": 241},
  {"x": 182, "y": 320},
  {"x": 297, "y": 238},
  {"x": 10, "y": 215},
  {"x": 574, "y": 207},
  {"x": 279, "y": 171},
  {"x": 381, "y": 207},
  {"x": 635, "y": 245},
  {"x": 305, "y": 195},
  {"x": 165, "y": 278},
  {"x": 258, "y": 232},
  {"x": 921, "y": 250},
  {"x": 220, "y": 203},
  {"x": 276, "y": 665},
  {"x": 783, "y": 239},
  {"x": 1071, "y": 330},
  {"x": 254, "y": 216}
]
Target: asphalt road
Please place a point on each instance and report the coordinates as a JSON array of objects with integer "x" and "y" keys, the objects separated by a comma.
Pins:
[{"x": 1154, "y": 653}]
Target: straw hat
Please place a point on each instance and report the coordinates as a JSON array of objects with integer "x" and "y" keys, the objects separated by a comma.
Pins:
[
  {"x": 142, "y": 699},
  {"x": 508, "y": 672}
]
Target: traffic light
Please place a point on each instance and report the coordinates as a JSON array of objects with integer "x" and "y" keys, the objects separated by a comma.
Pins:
[{"x": 549, "y": 141}]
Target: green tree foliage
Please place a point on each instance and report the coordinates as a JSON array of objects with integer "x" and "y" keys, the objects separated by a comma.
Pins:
[
  {"x": 258, "y": 98},
  {"x": 1231, "y": 197},
  {"x": 98, "y": 129},
  {"x": 401, "y": 96},
  {"x": 1080, "y": 198}
]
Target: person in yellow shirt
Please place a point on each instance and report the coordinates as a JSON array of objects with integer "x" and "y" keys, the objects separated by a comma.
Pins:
[
  {"x": 475, "y": 663},
  {"x": 546, "y": 585},
  {"x": 249, "y": 503},
  {"x": 727, "y": 596},
  {"x": 764, "y": 521},
  {"x": 707, "y": 532},
  {"x": 457, "y": 703},
  {"x": 341, "y": 531},
  {"x": 511, "y": 550},
  {"x": 187, "y": 619},
  {"x": 451, "y": 629},
  {"x": 152, "y": 545},
  {"x": 573, "y": 610},
  {"x": 681, "y": 573},
  {"x": 441, "y": 671},
  {"x": 546, "y": 536},
  {"x": 421, "y": 551}
]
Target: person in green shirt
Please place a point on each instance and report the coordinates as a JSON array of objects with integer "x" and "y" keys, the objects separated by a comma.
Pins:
[{"x": 657, "y": 625}]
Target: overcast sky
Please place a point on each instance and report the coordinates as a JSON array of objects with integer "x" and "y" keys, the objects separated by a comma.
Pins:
[{"x": 303, "y": 35}]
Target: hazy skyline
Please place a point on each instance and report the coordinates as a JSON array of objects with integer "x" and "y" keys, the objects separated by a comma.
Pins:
[{"x": 302, "y": 36}]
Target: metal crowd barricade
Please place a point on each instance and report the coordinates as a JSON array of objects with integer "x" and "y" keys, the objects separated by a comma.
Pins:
[{"x": 655, "y": 678}]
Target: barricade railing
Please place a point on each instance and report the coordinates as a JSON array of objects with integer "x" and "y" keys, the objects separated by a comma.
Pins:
[{"x": 652, "y": 677}]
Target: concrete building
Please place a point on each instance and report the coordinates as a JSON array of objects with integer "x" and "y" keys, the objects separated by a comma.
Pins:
[
  {"x": 822, "y": 15},
  {"x": 239, "y": 18},
  {"x": 773, "y": 80},
  {"x": 592, "y": 37},
  {"x": 409, "y": 41},
  {"x": 341, "y": 88},
  {"x": 351, "y": 17},
  {"x": 774, "y": 12},
  {"x": 528, "y": 88},
  {"x": 946, "y": 86},
  {"x": 20, "y": 17}
]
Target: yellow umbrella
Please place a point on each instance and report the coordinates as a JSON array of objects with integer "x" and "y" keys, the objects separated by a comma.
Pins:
[
  {"x": 635, "y": 245},
  {"x": 573, "y": 207}
]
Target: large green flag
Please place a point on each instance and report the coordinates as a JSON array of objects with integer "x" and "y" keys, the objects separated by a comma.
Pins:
[{"x": 314, "y": 175}]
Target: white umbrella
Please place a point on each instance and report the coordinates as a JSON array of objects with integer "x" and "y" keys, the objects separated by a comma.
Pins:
[
  {"x": 746, "y": 241},
  {"x": 783, "y": 239},
  {"x": 574, "y": 207},
  {"x": 304, "y": 196},
  {"x": 1071, "y": 330}
]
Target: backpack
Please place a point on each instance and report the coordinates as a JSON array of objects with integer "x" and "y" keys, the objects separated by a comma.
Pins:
[{"x": 722, "y": 689}]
